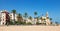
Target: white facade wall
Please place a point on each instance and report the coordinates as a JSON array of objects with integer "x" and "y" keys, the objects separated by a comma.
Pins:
[
  {"x": 12, "y": 16},
  {"x": 47, "y": 21},
  {"x": 33, "y": 21},
  {"x": 3, "y": 18}
]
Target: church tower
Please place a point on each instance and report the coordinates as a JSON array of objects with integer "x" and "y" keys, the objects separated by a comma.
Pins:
[
  {"x": 47, "y": 14},
  {"x": 47, "y": 19}
]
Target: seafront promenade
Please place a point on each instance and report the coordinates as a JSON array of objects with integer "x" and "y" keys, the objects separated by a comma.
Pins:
[{"x": 29, "y": 28}]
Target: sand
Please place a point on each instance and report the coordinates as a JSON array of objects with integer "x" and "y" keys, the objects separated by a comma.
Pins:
[{"x": 29, "y": 28}]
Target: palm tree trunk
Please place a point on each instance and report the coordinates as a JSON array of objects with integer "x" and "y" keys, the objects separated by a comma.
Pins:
[{"x": 14, "y": 18}]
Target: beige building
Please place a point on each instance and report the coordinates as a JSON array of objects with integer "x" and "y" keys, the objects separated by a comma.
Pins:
[
  {"x": 45, "y": 19},
  {"x": 42, "y": 20}
]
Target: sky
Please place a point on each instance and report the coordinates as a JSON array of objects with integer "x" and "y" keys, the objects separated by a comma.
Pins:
[{"x": 30, "y": 6}]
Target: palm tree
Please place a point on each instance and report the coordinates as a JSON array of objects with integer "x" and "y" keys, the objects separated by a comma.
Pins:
[
  {"x": 57, "y": 23},
  {"x": 25, "y": 15},
  {"x": 37, "y": 21},
  {"x": 30, "y": 18},
  {"x": 19, "y": 17},
  {"x": 35, "y": 13},
  {"x": 50, "y": 18},
  {"x": 14, "y": 11}
]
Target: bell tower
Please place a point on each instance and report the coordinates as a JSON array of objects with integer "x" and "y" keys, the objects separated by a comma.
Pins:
[{"x": 47, "y": 14}]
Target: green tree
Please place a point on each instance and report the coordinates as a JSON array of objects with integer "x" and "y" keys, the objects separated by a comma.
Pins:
[
  {"x": 30, "y": 18},
  {"x": 56, "y": 22},
  {"x": 26, "y": 16},
  {"x": 19, "y": 17},
  {"x": 29, "y": 23},
  {"x": 14, "y": 12},
  {"x": 35, "y": 13},
  {"x": 50, "y": 18}
]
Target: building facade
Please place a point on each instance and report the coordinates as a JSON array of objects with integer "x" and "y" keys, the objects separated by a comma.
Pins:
[
  {"x": 4, "y": 17},
  {"x": 12, "y": 17},
  {"x": 45, "y": 19}
]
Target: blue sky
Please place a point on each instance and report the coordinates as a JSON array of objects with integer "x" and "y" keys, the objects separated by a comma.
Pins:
[{"x": 29, "y": 6}]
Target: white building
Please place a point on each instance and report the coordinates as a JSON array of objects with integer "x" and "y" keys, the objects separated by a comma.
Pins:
[
  {"x": 27, "y": 20},
  {"x": 4, "y": 17},
  {"x": 45, "y": 19},
  {"x": 12, "y": 17}
]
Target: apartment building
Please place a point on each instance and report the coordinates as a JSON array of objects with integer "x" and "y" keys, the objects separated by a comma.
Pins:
[
  {"x": 45, "y": 19},
  {"x": 4, "y": 17},
  {"x": 12, "y": 17}
]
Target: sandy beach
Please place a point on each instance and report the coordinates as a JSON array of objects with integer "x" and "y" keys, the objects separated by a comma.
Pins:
[{"x": 29, "y": 28}]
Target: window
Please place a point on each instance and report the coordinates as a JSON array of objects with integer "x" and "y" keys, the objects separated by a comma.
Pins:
[
  {"x": 3, "y": 22},
  {"x": 10, "y": 15},
  {"x": 3, "y": 19}
]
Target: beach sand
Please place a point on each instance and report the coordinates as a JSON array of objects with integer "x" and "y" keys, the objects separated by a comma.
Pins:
[{"x": 29, "y": 28}]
